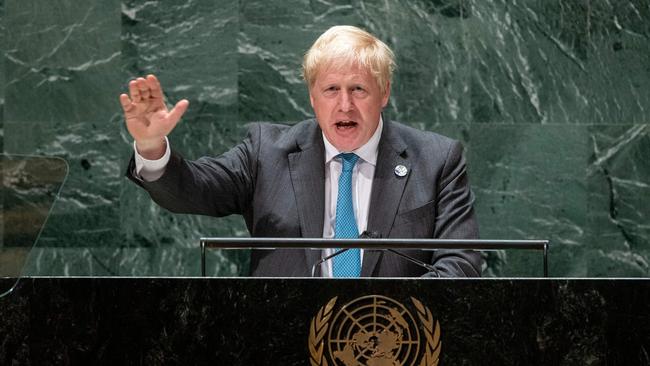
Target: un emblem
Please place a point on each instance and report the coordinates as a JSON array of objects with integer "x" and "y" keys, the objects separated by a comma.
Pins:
[{"x": 374, "y": 330}]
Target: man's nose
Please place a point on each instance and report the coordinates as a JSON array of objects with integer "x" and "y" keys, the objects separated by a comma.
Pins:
[{"x": 346, "y": 103}]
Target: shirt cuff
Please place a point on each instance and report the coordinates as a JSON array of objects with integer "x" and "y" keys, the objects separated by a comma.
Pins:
[{"x": 151, "y": 170}]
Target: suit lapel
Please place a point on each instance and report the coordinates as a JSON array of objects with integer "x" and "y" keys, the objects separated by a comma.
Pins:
[
  {"x": 307, "y": 169},
  {"x": 387, "y": 190}
]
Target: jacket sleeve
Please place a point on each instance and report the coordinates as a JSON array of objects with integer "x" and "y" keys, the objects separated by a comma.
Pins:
[{"x": 214, "y": 186}]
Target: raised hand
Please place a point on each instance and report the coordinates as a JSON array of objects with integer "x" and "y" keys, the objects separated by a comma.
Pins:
[{"x": 147, "y": 117}]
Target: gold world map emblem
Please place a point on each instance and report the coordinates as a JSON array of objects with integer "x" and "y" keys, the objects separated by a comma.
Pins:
[{"x": 374, "y": 330}]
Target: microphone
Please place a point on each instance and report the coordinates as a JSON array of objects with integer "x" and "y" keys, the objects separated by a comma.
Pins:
[
  {"x": 364, "y": 235},
  {"x": 317, "y": 264},
  {"x": 431, "y": 271}
]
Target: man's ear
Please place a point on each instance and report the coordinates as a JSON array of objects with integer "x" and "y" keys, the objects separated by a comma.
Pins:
[
  {"x": 384, "y": 101},
  {"x": 311, "y": 98}
]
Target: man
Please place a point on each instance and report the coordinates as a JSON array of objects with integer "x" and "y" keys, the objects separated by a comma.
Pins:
[{"x": 346, "y": 172}]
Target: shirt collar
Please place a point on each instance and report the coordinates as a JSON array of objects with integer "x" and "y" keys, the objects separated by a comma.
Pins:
[{"x": 367, "y": 152}]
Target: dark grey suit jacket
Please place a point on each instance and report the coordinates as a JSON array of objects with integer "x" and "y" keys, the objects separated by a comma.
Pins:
[{"x": 276, "y": 179}]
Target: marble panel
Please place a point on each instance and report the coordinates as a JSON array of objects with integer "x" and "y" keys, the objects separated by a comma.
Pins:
[
  {"x": 433, "y": 64},
  {"x": 272, "y": 39},
  {"x": 559, "y": 61},
  {"x": 2, "y": 72},
  {"x": 62, "y": 60},
  {"x": 530, "y": 183},
  {"x": 190, "y": 46},
  {"x": 457, "y": 131},
  {"x": 2, "y": 107},
  {"x": 619, "y": 200},
  {"x": 148, "y": 257}
]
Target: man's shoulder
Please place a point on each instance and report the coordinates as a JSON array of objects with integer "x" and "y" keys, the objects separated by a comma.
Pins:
[{"x": 427, "y": 149}]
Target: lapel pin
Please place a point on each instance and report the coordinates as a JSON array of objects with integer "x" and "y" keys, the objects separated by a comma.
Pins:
[{"x": 401, "y": 171}]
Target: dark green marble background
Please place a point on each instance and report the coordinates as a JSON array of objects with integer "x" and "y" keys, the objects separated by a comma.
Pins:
[{"x": 550, "y": 97}]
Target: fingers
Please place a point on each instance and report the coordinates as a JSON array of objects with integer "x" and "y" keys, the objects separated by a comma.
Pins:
[
  {"x": 149, "y": 87},
  {"x": 148, "y": 91},
  {"x": 154, "y": 87},
  {"x": 125, "y": 101},
  {"x": 143, "y": 88},
  {"x": 179, "y": 109},
  {"x": 134, "y": 91},
  {"x": 146, "y": 96},
  {"x": 140, "y": 89}
]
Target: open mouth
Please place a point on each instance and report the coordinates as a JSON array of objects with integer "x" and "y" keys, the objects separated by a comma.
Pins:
[{"x": 344, "y": 125}]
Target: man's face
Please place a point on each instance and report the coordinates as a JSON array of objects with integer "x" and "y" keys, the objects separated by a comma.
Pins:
[{"x": 347, "y": 103}]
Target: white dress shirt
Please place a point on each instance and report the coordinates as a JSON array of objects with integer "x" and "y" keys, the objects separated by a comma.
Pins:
[{"x": 362, "y": 176}]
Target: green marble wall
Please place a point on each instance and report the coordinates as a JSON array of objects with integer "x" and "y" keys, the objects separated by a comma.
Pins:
[{"x": 550, "y": 97}]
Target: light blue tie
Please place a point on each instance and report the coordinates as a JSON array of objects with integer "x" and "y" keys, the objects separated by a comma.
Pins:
[{"x": 347, "y": 264}]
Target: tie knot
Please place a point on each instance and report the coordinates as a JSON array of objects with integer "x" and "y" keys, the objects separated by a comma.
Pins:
[{"x": 348, "y": 159}]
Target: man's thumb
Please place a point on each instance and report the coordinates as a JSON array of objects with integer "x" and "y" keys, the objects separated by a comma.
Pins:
[{"x": 179, "y": 109}]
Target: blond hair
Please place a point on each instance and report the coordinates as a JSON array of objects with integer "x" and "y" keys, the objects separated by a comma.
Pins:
[{"x": 345, "y": 45}]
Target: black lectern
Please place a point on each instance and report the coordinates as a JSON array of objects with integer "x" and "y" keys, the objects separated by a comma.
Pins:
[{"x": 246, "y": 321}]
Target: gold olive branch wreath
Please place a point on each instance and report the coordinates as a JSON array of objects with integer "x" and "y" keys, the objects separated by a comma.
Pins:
[
  {"x": 317, "y": 331},
  {"x": 319, "y": 326},
  {"x": 431, "y": 355}
]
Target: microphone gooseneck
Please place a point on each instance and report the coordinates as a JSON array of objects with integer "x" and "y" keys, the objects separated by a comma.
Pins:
[{"x": 376, "y": 235}]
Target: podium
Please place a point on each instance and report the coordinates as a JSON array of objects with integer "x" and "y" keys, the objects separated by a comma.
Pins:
[{"x": 248, "y": 321}]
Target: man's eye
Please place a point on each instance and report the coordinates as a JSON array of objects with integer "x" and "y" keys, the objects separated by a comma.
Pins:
[
  {"x": 331, "y": 90},
  {"x": 359, "y": 90}
]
